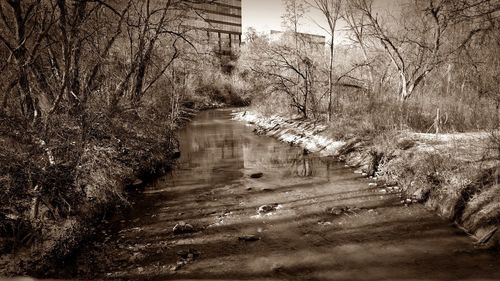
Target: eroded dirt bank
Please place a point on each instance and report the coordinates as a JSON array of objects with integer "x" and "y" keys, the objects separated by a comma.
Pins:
[{"x": 247, "y": 207}]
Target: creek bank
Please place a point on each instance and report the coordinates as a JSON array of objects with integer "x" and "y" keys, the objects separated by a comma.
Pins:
[
  {"x": 455, "y": 175},
  {"x": 124, "y": 154},
  {"x": 120, "y": 154}
]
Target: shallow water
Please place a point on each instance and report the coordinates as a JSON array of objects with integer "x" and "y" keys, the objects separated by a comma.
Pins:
[{"x": 373, "y": 238}]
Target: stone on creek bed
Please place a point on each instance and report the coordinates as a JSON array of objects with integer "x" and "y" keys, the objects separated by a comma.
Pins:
[
  {"x": 136, "y": 257},
  {"x": 256, "y": 175},
  {"x": 185, "y": 257},
  {"x": 249, "y": 238},
  {"x": 264, "y": 209},
  {"x": 337, "y": 211},
  {"x": 183, "y": 228}
]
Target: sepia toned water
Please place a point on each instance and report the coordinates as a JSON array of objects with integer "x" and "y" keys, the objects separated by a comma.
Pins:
[{"x": 324, "y": 221}]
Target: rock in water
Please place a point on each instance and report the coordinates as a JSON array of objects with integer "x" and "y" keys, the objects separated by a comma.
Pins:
[
  {"x": 420, "y": 195},
  {"x": 182, "y": 228},
  {"x": 335, "y": 211},
  {"x": 256, "y": 175},
  {"x": 267, "y": 208},
  {"x": 176, "y": 154},
  {"x": 249, "y": 238},
  {"x": 137, "y": 182},
  {"x": 188, "y": 254},
  {"x": 136, "y": 257}
]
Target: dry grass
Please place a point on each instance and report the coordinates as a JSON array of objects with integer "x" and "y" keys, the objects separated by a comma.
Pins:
[{"x": 92, "y": 165}]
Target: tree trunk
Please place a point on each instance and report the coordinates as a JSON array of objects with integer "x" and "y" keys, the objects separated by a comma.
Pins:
[
  {"x": 498, "y": 113},
  {"x": 370, "y": 72},
  {"x": 35, "y": 205},
  {"x": 306, "y": 95},
  {"x": 20, "y": 54},
  {"x": 405, "y": 90},
  {"x": 330, "y": 81},
  {"x": 27, "y": 104}
]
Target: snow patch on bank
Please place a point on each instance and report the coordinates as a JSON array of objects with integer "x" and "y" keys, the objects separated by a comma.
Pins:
[{"x": 305, "y": 134}]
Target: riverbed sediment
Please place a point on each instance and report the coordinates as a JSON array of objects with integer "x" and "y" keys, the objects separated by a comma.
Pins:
[{"x": 240, "y": 206}]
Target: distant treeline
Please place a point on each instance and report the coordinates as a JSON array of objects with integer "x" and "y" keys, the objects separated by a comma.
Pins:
[{"x": 428, "y": 64}]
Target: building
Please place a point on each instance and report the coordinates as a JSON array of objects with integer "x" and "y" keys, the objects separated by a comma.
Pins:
[
  {"x": 217, "y": 24},
  {"x": 307, "y": 40}
]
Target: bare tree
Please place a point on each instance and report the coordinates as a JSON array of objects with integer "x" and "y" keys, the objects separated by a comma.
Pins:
[
  {"x": 17, "y": 23},
  {"x": 289, "y": 70},
  {"x": 423, "y": 44},
  {"x": 356, "y": 24},
  {"x": 151, "y": 27},
  {"x": 294, "y": 12},
  {"x": 330, "y": 9}
]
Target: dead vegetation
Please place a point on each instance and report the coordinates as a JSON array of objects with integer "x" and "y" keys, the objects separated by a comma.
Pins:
[{"x": 459, "y": 181}]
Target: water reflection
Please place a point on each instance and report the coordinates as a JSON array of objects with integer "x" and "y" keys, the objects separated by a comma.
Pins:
[{"x": 216, "y": 150}]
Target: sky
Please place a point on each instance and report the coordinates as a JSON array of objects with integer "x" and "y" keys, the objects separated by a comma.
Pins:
[{"x": 265, "y": 15}]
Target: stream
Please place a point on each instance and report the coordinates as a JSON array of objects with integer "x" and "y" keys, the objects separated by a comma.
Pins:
[{"x": 248, "y": 207}]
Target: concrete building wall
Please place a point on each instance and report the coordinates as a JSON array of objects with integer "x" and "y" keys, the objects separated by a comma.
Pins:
[
  {"x": 312, "y": 41},
  {"x": 217, "y": 23}
]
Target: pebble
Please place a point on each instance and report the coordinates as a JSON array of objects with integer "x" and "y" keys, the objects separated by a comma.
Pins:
[
  {"x": 249, "y": 238},
  {"x": 182, "y": 228},
  {"x": 267, "y": 208},
  {"x": 335, "y": 211},
  {"x": 137, "y": 182},
  {"x": 372, "y": 184},
  {"x": 189, "y": 254},
  {"x": 136, "y": 257},
  {"x": 256, "y": 175}
]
